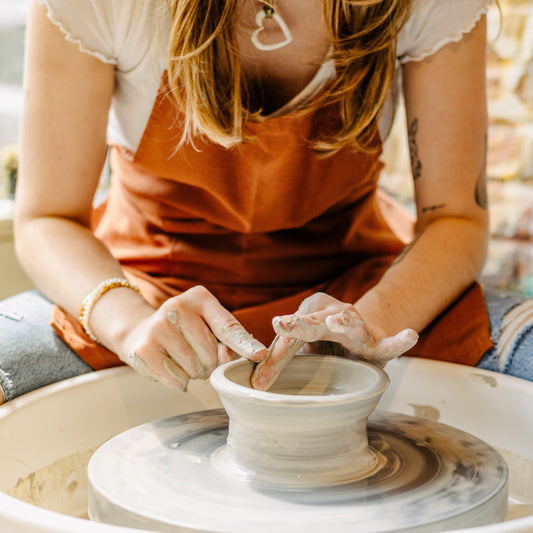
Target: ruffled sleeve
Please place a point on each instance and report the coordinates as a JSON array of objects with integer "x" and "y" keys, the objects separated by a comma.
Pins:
[
  {"x": 435, "y": 23},
  {"x": 114, "y": 31}
]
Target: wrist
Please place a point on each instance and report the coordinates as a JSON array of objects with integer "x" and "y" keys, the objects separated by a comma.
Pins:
[
  {"x": 376, "y": 313},
  {"x": 108, "y": 312},
  {"x": 94, "y": 296}
]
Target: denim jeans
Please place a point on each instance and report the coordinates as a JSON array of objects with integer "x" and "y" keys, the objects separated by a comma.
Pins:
[
  {"x": 519, "y": 361},
  {"x": 33, "y": 355}
]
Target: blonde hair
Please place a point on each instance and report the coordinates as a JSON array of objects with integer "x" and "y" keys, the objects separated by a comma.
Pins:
[{"x": 212, "y": 101}]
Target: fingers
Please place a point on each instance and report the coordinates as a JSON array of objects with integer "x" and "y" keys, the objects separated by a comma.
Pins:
[
  {"x": 322, "y": 326},
  {"x": 294, "y": 331},
  {"x": 341, "y": 323},
  {"x": 226, "y": 328},
  {"x": 225, "y": 354},
  {"x": 343, "y": 326},
  {"x": 187, "y": 338},
  {"x": 199, "y": 324},
  {"x": 309, "y": 327},
  {"x": 349, "y": 330},
  {"x": 392, "y": 347},
  {"x": 280, "y": 353},
  {"x": 234, "y": 336},
  {"x": 176, "y": 372},
  {"x": 162, "y": 369}
]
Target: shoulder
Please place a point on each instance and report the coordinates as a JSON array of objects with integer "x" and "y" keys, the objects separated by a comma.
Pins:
[
  {"x": 114, "y": 31},
  {"x": 435, "y": 23}
]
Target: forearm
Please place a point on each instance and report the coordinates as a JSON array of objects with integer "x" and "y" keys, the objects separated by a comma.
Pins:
[
  {"x": 431, "y": 272},
  {"x": 66, "y": 262},
  {"x": 447, "y": 132}
]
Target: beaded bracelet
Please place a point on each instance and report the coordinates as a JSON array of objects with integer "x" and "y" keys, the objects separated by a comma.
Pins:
[{"x": 94, "y": 296}]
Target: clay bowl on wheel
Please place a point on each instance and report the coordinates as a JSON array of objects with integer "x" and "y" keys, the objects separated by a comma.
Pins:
[{"x": 309, "y": 429}]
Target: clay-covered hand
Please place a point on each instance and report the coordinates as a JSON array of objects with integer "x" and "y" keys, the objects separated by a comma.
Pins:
[
  {"x": 187, "y": 338},
  {"x": 325, "y": 325}
]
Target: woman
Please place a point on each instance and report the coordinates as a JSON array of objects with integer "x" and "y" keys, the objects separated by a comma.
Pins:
[{"x": 245, "y": 139}]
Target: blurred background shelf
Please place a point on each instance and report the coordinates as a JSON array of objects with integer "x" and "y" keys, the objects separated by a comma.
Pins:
[
  {"x": 12, "y": 277},
  {"x": 13, "y": 14}
]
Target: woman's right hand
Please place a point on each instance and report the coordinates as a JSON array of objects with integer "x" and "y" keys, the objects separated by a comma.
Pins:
[{"x": 187, "y": 338}]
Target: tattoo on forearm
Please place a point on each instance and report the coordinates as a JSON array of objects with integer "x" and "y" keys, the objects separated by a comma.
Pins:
[
  {"x": 406, "y": 250},
  {"x": 433, "y": 207},
  {"x": 416, "y": 165},
  {"x": 480, "y": 192}
]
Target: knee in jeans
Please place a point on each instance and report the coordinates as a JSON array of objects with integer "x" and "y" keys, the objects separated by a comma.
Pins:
[{"x": 517, "y": 326}]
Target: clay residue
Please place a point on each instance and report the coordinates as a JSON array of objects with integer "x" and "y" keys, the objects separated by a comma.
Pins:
[
  {"x": 516, "y": 511},
  {"x": 520, "y": 485},
  {"x": 491, "y": 381},
  {"x": 426, "y": 411},
  {"x": 520, "y": 477},
  {"x": 61, "y": 486}
]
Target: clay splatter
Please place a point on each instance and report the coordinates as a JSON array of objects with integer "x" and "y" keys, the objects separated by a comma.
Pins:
[
  {"x": 426, "y": 411},
  {"x": 491, "y": 381}
]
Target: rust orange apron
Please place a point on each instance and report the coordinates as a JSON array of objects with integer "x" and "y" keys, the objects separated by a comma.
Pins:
[{"x": 262, "y": 226}]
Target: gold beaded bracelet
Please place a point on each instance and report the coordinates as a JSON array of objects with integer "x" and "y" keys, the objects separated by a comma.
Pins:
[{"x": 94, "y": 296}]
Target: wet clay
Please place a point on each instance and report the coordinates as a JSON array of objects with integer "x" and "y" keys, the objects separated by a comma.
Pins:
[
  {"x": 60, "y": 486},
  {"x": 289, "y": 457}
]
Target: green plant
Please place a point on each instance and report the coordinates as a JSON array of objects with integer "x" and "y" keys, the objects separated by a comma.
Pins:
[{"x": 9, "y": 162}]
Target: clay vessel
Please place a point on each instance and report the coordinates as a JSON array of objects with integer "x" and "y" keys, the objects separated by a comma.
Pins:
[{"x": 308, "y": 430}]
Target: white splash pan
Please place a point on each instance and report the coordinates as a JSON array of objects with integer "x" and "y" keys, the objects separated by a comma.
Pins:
[{"x": 47, "y": 436}]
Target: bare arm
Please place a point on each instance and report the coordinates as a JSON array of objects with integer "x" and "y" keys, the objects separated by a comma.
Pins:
[
  {"x": 67, "y": 99},
  {"x": 447, "y": 127}
]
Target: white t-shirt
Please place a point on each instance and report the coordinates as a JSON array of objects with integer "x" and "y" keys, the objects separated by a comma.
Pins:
[{"x": 130, "y": 34}]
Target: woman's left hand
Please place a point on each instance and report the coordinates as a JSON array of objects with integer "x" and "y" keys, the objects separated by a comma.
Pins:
[{"x": 326, "y": 325}]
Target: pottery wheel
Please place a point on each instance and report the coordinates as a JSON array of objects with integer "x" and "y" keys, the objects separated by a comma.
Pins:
[{"x": 160, "y": 476}]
